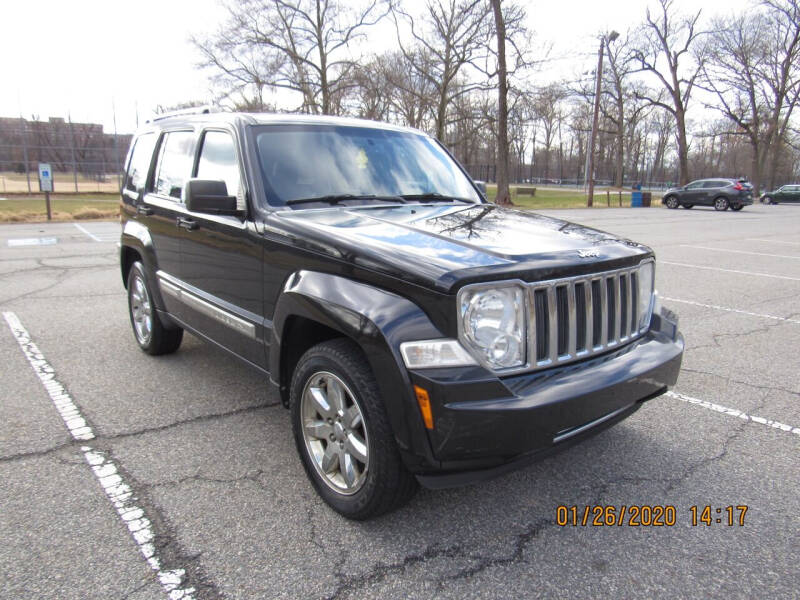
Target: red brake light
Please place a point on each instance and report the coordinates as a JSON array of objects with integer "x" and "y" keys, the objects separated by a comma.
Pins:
[{"x": 738, "y": 187}]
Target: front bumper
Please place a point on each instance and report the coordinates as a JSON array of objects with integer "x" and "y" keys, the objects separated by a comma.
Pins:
[{"x": 485, "y": 425}]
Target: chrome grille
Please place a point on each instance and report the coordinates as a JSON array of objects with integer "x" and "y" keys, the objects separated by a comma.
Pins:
[{"x": 574, "y": 318}]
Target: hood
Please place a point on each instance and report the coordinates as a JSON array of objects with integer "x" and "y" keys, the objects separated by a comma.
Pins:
[{"x": 446, "y": 246}]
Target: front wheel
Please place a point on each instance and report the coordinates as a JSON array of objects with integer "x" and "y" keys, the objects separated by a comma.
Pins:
[
  {"x": 721, "y": 203},
  {"x": 343, "y": 435},
  {"x": 671, "y": 202},
  {"x": 149, "y": 331},
  {"x": 737, "y": 207}
]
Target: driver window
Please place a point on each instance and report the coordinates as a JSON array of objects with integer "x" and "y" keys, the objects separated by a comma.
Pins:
[{"x": 218, "y": 161}]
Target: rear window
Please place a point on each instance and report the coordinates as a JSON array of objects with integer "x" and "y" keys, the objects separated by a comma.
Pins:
[
  {"x": 139, "y": 167},
  {"x": 174, "y": 163}
]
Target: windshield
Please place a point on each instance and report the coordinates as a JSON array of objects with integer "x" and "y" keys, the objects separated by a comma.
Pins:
[{"x": 301, "y": 162}]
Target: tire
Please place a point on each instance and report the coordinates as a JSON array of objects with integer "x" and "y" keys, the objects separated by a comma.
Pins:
[
  {"x": 737, "y": 207},
  {"x": 687, "y": 206},
  {"x": 149, "y": 331},
  {"x": 364, "y": 476},
  {"x": 671, "y": 202},
  {"x": 721, "y": 203}
]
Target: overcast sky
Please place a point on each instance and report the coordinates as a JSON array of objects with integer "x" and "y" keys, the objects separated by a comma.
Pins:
[{"x": 59, "y": 57}]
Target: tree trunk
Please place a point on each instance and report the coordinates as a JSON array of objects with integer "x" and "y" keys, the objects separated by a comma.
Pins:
[
  {"x": 503, "y": 195},
  {"x": 683, "y": 148}
]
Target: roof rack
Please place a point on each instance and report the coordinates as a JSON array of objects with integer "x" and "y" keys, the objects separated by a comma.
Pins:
[{"x": 194, "y": 110}]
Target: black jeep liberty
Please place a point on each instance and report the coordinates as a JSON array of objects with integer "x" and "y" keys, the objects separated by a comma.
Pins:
[{"x": 416, "y": 332}]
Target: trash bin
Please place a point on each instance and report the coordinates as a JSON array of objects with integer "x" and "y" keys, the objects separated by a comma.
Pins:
[
  {"x": 646, "y": 198},
  {"x": 636, "y": 198}
]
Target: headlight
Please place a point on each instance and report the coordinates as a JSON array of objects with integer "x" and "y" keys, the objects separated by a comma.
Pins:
[
  {"x": 493, "y": 324},
  {"x": 427, "y": 354},
  {"x": 645, "y": 293}
]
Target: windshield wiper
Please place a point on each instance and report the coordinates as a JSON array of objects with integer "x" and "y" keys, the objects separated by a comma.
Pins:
[
  {"x": 336, "y": 198},
  {"x": 435, "y": 197}
]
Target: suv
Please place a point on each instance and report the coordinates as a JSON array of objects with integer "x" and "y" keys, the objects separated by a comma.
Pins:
[
  {"x": 417, "y": 333},
  {"x": 785, "y": 193},
  {"x": 719, "y": 193}
]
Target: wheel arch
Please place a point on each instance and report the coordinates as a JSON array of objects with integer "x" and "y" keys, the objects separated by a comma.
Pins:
[{"x": 314, "y": 307}]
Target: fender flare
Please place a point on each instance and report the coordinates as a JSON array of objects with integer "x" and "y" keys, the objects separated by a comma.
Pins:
[
  {"x": 136, "y": 236},
  {"x": 378, "y": 321}
]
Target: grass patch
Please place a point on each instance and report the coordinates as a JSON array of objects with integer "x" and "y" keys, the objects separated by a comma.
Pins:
[
  {"x": 63, "y": 208},
  {"x": 569, "y": 198}
]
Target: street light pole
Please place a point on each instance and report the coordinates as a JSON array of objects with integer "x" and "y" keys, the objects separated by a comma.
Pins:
[{"x": 589, "y": 174}]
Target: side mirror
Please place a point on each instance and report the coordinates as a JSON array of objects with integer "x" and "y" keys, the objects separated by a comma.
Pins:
[
  {"x": 481, "y": 185},
  {"x": 209, "y": 196}
]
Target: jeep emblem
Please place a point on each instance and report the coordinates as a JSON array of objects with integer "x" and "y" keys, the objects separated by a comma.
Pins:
[{"x": 590, "y": 253}]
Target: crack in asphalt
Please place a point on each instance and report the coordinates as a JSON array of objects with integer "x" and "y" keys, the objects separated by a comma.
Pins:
[
  {"x": 145, "y": 582},
  {"x": 190, "y": 421},
  {"x": 349, "y": 585},
  {"x": 732, "y": 436},
  {"x": 76, "y": 444},
  {"x": 60, "y": 278},
  {"x": 758, "y": 386},
  {"x": 165, "y": 538},
  {"x": 197, "y": 477},
  {"x": 8, "y": 458},
  {"x": 716, "y": 337}
]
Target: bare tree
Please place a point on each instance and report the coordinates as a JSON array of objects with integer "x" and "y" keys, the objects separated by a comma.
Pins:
[
  {"x": 547, "y": 111},
  {"x": 503, "y": 194},
  {"x": 753, "y": 68},
  {"x": 450, "y": 36},
  {"x": 665, "y": 45},
  {"x": 299, "y": 45},
  {"x": 413, "y": 92}
]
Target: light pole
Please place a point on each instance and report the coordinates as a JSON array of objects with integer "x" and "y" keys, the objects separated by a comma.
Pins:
[{"x": 589, "y": 174}]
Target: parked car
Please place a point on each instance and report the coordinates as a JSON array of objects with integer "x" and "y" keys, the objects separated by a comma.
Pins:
[
  {"x": 417, "y": 333},
  {"x": 785, "y": 193},
  {"x": 719, "y": 193}
]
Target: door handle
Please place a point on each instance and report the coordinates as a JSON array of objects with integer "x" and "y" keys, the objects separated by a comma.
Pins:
[
  {"x": 144, "y": 210},
  {"x": 187, "y": 224}
]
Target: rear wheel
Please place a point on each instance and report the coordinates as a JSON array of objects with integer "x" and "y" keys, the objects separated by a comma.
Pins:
[
  {"x": 149, "y": 331},
  {"x": 721, "y": 203},
  {"x": 671, "y": 202},
  {"x": 687, "y": 206},
  {"x": 343, "y": 435}
]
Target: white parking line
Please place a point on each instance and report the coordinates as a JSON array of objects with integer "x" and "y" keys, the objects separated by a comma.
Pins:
[
  {"x": 753, "y": 273},
  {"x": 119, "y": 493},
  {"x": 734, "y": 413},
  {"x": 774, "y": 242},
  {"x": 739, "y": 251},
  {"x": 87, "y": 232},
  {"x": 733, "y": 310}
]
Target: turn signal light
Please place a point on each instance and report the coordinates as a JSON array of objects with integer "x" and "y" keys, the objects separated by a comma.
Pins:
[{"x": 424, "y": 402}]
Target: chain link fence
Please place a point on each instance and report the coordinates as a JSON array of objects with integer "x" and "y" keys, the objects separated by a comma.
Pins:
[{"x": 84, "y": 158}]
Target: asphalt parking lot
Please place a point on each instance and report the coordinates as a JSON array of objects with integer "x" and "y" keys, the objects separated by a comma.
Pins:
[{"x": 184, "y": 481}]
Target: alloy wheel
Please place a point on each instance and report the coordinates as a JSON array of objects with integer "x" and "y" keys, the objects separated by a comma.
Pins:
[
  {"x": 141, "y": 310},
  {"x": 334, "y": 432}
]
